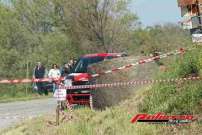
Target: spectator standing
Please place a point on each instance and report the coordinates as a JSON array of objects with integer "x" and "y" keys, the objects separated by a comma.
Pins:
[
  {"x": 54, "y": 73},
  {"x": 39, "y": 73},
  {"x": 74, "y": 61},
  {"x": 71, "y": 63},
  {"x": 65, "y": 70}
]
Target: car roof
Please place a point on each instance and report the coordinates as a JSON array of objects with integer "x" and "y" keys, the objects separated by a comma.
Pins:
[{"x": 101, "y": 55}]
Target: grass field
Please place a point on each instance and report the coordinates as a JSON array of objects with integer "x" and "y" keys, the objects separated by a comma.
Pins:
[
  {"x": 25, "y": 98},
  {"x": 112, "y": 121},
  {"x": 19, "y": 92},
  {"x": 171, "y": 98}
]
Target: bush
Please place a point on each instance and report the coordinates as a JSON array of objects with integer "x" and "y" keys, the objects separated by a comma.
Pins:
[
  {"x": 183, "y": 66},
  {"x": 180, "y": 97},
  {"x": 170, "y": 98},
  {"x": 188, "y": 66},
  {"x": 200, "y": 63}
]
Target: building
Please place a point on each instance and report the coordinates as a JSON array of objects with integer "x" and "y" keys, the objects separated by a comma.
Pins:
[{"x": 191, "y": 12}]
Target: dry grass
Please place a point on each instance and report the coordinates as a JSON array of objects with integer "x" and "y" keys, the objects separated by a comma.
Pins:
[
  {"x": 112, "y": 121},
  {"x": 118, "y": 105}
]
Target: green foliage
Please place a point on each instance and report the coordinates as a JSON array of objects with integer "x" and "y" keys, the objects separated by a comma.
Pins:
[
  {"x": 161, "y": 38},
  {"x": 54, "y": 48},
  {"x": 188, "y": 66},
  {"x": 173, "y": 98},
  {"x": 200, "y": 63},
  {"x": 53, "y": 31},
  {"x": 184, "y": 65},
  {"x": 180, "y": 97}
]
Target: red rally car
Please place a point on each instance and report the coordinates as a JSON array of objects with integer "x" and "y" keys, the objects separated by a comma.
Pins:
[{"x": 80, "y": 75}]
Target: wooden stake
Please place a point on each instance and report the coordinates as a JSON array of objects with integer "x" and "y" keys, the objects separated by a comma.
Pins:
[{"x": 58, "y": 114}]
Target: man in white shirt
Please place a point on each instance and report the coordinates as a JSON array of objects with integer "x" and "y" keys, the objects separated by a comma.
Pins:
[{"x": 54, "y": 74}]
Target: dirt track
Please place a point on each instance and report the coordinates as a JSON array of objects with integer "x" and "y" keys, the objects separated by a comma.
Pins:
[{"x": 12, "y": 113}]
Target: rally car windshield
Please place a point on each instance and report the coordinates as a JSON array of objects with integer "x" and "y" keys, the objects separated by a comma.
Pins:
[{"x": 82, "y": 64}]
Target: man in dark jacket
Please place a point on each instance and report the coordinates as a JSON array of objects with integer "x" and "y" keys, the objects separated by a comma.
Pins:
[
  {"x": 39, "y": 73},
  {"x": 65, "y": 70}
]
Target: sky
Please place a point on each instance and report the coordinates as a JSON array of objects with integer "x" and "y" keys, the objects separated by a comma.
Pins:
[{"x": 151, "y": 12}]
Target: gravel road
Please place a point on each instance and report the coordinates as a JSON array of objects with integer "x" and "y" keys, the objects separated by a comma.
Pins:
[{"x": 12, "y": 113}]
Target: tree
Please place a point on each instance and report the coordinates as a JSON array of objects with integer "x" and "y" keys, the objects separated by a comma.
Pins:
[
  {"x": 13, "y": 42},
  {"x": 162, "y": 38},
  {"x": 97, "y": 24}
]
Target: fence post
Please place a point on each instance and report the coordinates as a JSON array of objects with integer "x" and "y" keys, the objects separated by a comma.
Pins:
[
  {"x": 58, "y": 113},
  {"x": 27, "y": 76}
]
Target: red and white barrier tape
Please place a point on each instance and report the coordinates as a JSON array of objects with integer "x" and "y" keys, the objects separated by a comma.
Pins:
[
  {"x": 131, "y": 83},
  {"x": 16, "y": 81},
  {"x": 143, "y": 61}
]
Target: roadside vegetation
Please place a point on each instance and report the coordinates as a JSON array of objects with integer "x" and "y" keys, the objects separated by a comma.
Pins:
[
  {"x": 180, "y": 97},
  {"x": 112, "y": 121},
  {"x": 53, "y": 31},
  {"x": 171, "y": 98}
]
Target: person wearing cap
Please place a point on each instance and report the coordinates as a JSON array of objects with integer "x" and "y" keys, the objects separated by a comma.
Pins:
[{"x": 39, "y": 73}]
